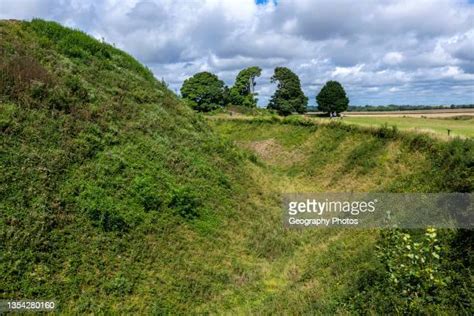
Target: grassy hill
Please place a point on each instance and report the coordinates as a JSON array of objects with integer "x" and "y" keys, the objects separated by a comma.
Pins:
[
  {"x": 115, "y": 197},
  {"x": 109, "y": 185}
]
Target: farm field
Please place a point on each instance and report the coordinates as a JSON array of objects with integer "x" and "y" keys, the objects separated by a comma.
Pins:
[
  {"x": 459, "y": 126},
  {"x": 441, "y": 113},
  {"x": 434, "y": 122},
  {"x": 438, "y": 126}
]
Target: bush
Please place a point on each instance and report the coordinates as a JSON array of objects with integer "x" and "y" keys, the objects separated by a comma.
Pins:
[
  {"x": 418, "y": 275},
  {"x": 185, "y": 203},
  {"x": 414, "y": 268},
  {"x": 24, "y": 80},
  {"x": 387, "y": 132},
  {"x": 69, "y": 95}
]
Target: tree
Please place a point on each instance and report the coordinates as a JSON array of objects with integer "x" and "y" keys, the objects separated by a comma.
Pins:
[
  {"x": 332, "y": 98},
  {"x": 203, "y": 91},
  {"x": 242, "y": 93},
  {"x": 288, "y": 97}
]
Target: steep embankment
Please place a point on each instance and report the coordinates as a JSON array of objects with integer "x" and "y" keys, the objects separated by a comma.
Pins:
[
  {"x": 367, "y": 273},
  {"x": 113, "y": 194},
  {"x": 338, "y": 157},
  {"x": 115, "y": 197}
]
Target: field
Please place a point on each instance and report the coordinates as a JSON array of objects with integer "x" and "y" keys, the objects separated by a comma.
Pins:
[
  {"x": 440, "y": 113},
  {"x": 459, "y": 122},
  {"x": 436, "y": 126}
]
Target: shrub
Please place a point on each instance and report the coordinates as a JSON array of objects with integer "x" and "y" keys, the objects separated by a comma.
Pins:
[
  {"x": 68, "y": 95},
  {"x": 414, "y": 268},
  {"x": 23, "y": 79},
  {"x": 387, "y": 132},
  {"x": 185, "y": 203},
  {"x": 418, "y": 275}
]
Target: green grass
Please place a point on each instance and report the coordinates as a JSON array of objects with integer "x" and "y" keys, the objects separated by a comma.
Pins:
[
  {"x": 438, "y": 126},
  {"x": 117, "y": 198},
  {"x": 333, "y": 158}
]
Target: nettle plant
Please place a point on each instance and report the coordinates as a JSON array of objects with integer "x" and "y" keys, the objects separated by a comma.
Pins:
[{"x": 414, "y": 265}]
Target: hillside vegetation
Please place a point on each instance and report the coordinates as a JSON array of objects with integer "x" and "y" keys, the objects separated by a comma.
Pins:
[
  {"x": 113, "y": 194},
  {"x": 117, "y": 198},
  {"x": 387, "y": 271}
]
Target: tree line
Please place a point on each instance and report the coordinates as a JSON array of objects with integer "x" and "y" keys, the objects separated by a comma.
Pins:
[{"x": 205, "y": 92}]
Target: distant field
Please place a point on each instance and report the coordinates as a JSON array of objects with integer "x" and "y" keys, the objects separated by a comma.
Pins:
[
  {"x": 460, "y": 122},
  {"x": 439, "y": 126},
  {"x": 414, "y": 113}
]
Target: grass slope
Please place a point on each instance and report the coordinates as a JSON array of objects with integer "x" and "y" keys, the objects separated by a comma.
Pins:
[
  {"x": 300, "y": 156},
  {"x": 116, "y": 198},
  {"x": 113, "y": 194}
]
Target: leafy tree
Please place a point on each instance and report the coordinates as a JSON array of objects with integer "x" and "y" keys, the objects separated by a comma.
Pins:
[
  {"x": 332, "y": 98},
  {"x": 203, "y": 91},
  {"x": 242, "y": 92},
  {"x": 288, "y": 97}
]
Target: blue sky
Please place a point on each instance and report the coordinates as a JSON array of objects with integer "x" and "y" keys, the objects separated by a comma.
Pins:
[{"x": 383, "y": 52}]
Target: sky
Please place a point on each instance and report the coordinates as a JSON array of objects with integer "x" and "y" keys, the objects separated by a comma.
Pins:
[{"x": 382, "y": 51}]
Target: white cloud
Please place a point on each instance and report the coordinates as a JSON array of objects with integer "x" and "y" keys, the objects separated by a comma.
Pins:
[{"x": 393, "y": 58}]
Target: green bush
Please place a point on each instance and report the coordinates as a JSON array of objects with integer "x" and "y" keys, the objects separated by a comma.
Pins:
[
  {"x": 387, "y": 132},
  {"x": 185, "y": 203},
  {"x": 419, "y": 275},
  {"x": 70, "y": 94},
  {"x": 414, "y": 267},
  {"x": 102, "y": 209}
]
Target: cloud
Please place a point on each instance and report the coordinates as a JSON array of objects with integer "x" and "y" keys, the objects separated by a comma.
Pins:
[
  {"x": 394, "y": 51},
  {"x": 393, "y": 58}
]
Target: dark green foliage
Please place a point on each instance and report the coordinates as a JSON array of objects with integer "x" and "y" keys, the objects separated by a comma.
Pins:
[
  {"x": 203, "y": 91},
  {"x": 241, "y": 94},
  {"x": 455, "y": 161},
  {"x": 288, "y": 97},
  {"x": 332, "y": 98},
  {"x": 387, "y": 132},
  {"x": 185, "y": 203}
]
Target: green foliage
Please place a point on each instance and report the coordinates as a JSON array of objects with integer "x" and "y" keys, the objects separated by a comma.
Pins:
[
  {"x": 364, "y": 157},
  {"x": 454, "y": 162},
  {"x": 241, "y": 94},
  {"x": 203, "y": 91},
  {"x": 332, "y": 98},
  {"x": 387, "y": 132},
  {"x": 78, "y": 45},
  {"x": 106, "y": 178},
  {"x": 414, "y": 267},
  {"x": 185, "y": 203},
  {"x": 419, "y": 275},
  {"x": 288, "y": 97}
]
